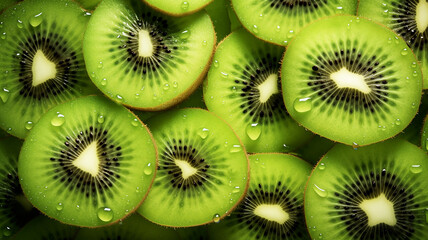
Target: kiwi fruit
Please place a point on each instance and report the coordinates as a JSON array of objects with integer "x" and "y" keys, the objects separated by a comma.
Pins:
[
  {"x": 42, "y": 63},
  {"x": 243, "y": 87},
  {"x": 424, "y": 138},
  {"x": 147, "y": 60},
  {"x": 88, "y": 162},
  {"x": 203, "y": 169},
  {"x": 178, "y": 8},
  {"x": 42, "y": 228},
  {"x": 408, "y": 18},
  {"x": 88, "y": 4},
  {"x": 277, "y": 21},
  {"x": 273, "y": 206},
  {"x": 351, "y": 80},
  {"x": 374, "y": 192},
  {"x": 15, "y": 209}
]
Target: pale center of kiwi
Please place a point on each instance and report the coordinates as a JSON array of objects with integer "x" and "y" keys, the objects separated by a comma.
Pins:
[
  {"x": 346, "y": 79},
  {"x": 422, "y": 15},
  {"x": 272, "y": 212},
  {"x": 42, "y": 68},
  {"x": 268, "y": 87},
  {"x": 88, "y": 159},
  {"x": 379, "y": 210},
  {"x": 186, "y": 169},
  {"x": 145, "y": 45}
]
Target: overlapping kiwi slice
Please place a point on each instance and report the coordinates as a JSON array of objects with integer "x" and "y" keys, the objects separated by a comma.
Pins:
[
  {"x": 43, "y": 228},
  {"x": 351, "y": 80},
  {"x": 41, "y": 62},
  {"x": 15, "y": 209},
  {"x": 88, "y": 162},
  {"x": 203, "y": 169},
  {"x": 273, "y": 206},
  {"x": 243, "y": 87},
  {"x": 277, "y": 21},
  {"x": 178, "y": 8},
  {"x": 374, "y": 192},
  {"x": 408, "y": 18},
  {"x": 143, "y": 58},
  {"x": 424, "y": 138}
]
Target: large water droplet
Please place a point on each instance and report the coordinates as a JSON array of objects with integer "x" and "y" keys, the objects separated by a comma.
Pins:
[
  {"x": 185, "y": 5},
  {"x": 416, "y": 168},
  {"x": 29, "y": 125},
  {"x": 404, "y": 52},
  {"x": 236, "y": 190},
  {"x": 397, "y": 122},
  {"x": 19, "y": 24},
  {"x": 203, "y": 133},
  {"x": 134, "y": 122},
  {"x": 236, "y": 148},
  {"x": 253, "y": 131},
  {"x": 36, "y": 20},
  {"x": 105, "y": 214},
  {"x": 148, "y": 169},
  {"x": 100, "y": 119},
  {"x": 321, "y": 166},
  {"x": 59, "y": 207},
  {"x": 166, "y": 86},
  {"x": 302, "y": 104},
  {"x": 58, "y": 120},
  {"x": 321, "y": 192},
  {"x": 216, "y": 218},
  {"x": 4, "y": 95},
  {"x": 103, "y": 82},
  {"x": 185, "y": 34}
]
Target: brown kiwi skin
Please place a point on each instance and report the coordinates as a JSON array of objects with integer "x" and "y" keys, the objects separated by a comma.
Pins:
[
  {"x": 320, "y": 19},
  {"x": 142, "y": 200},
  {"x": 177, "y": 14},
  {"x": 247, "y": 185}
]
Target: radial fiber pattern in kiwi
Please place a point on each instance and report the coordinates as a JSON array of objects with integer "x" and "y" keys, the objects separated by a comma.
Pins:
[
  {"x": 244, "y": 89},
  {"x": 32, "y": 27},
  {"x": 345, "y": 178},
  {"x": 211, "y": 177},
  {"x": 143, "y": 58},
  {"x": 402, "y": 17},
  {"x": 343, "y": 76},
  {"x": 277, "y": 21},
  {"x": 178, "y": 8},
  {"x": 125, "y": 159}
]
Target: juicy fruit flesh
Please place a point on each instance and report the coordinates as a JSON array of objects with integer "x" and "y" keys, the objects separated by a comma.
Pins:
[
  {"x": 379, "y": 210},
  {"x": 42, "y": 68},
  {"x": 272, "y": 212},
  {"x": 346, "y": 79},
  {"x": 422, "y": 16}
]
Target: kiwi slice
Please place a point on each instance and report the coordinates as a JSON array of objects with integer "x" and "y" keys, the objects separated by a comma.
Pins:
[
  {"x": 145, "y": 59},
  {"x": 203, "y": 169},
  {"x": 15, "y": 209},
  {"x": 88, "y": 162},
  {"x": 178, "y": 8},
  {"x": 133, "y": 227},
  {"x": 243, "y": 87},
  {"x": 218, "y": 11},
  {"x": 408, "y": 18},
  {"x": 273, "y": 206},
  {"x": 375, "y": 192},
  {"x": 424, "y": 139},
  {"x": 88, "y": 4},
  {"x": 42, "y": 63},
  {"x": 277, "y": 21},
  {"x": 42, "y": 228},
  {"x": 351, "y": 80}
]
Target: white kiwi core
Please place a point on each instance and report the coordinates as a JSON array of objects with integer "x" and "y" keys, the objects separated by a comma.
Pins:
[
  {"x": 379, "y": 210},
  {"x": 42, "y": 68},
  {"x": 272, "y": 212},
  {"x": 422, "y": 16},
  {"x": 145, "y": 45},
  {"x": 268, "y": 88},
  {"x": 346, "y": 79},
  {"x": 186, "y": 169},
  {"x": 88, "y": 160}
]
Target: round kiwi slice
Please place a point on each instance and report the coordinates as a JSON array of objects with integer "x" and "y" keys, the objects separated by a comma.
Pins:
[
  {"x": 273, "y": 206},
  {"x": 243, "y": 87},
  {"x": 42, "y": 63},
  {"x": 277, "y": 21},
  {"x": 351, "y": 80},
  {"x": 145, "y": 59},
  {"x": 408, "y": 18},
  {"x": 374, "y": 192},
  {"x": 88, "y": 162},
  {"x": 203, "y": 169},
  {"x": 43, "y": 228},
  {"x": 178, "y": 8},
  {"x": 15, "y": 209}
]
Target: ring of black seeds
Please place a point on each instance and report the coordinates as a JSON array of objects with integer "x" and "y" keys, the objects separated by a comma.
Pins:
[
  {"x": 306, "y": 5},
  {"x": 368, "y": 186},
  {"x": 75, "y": 178},
  {"x": 254, "y": 74},
  {"x": 264, "y": 228}
]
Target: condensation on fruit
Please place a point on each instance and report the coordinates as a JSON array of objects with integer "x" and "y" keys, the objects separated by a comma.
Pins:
[
  {"x": 319, "y": 191},
  {"x": 36, "y": 20},
  {"x": 59, "y": 207},
  {"x": 105, "y": 214},
  {"x": 148, "y": 170},
  {"x": 302, "y": 104},
  {"x": 203, "y": 133},
  {"x": 4, "y": 95},
  {"x": 216, "y": 218},
  {"x": 58, "y": 120},
  {"x": 253, "y": 131},
  {"x": 416, "y": 168}
]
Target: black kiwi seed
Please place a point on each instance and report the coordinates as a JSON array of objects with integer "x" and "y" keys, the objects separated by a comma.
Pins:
[{"x": 290, "y": 4}]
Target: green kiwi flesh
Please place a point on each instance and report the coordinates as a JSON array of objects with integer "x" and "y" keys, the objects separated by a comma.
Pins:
[
  {"x": 178, "y": 8},
  {"x": 243, "y": 87},
  {"x": 374, "y": 192},
  {"x": 273, "y": 206},
  {"x": 424, "y": 138},
  {"x": 203, "y": 169},
  {"x": 277, "y": 21},
  {"x": 408, "y": 19},
  {"x": 347, "y": 79},
  {"x": 42, "y": 228},
  {"x": 42, "y": 62},
  {"x": 88, "y": 162},
  {"x": 145, "y": 59}
]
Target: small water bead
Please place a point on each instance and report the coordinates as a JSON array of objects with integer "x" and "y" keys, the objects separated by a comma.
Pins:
[
  {"x": 255, "y": 29},
  {"x": 355, "y": 145},
  {"x": 137, "y": 95},
  {"x": 100, "y": 119},
  {"x": 29, "y": 125},
  {"x": 105, "y": 214},
  {"x": 148, "y": 170},
  {"x": 4, "y": 95},
  {"x": 385, "y": 12},
  {"x": 100, "y": 64},
  {"x": 235, "y": 148},
  {"x": 321, "y": 166},
  {"x": 414, "y": 64},
  {"x": 185, "y": 34},
  {"x": 389, "y": 40},
  {"x": 278, "y": 28},
  {"x": 166, "y": 86},
  {"x": 253, "y": 131},
  {"x": 416, "y": 168},
  {"x": 216, "y": 218},
  {"x": 20, "y": 24},
  {"x": 234, "y": 89},
  {"x": 59, "y": 207},
  {"x": 36, "y": 20},
  {"x": 404, "y": 52},
  {"x": 175, "y": 84},
  {"x": 58, "y": 120},
  {"x": 120, "y": 98},
  {"x": 215, "y": 63},
  {"x": 7, "y": 232},
  {"x": 203, "y": 133},
  {"x": 236, "y": 190},
  {"x": 204, "y": 43},
  {"x": 321, "y": 192},
  {"x": 302, "y": 104},
  {"x": 224, "y": 75},
  {"x": 415, "y": 74},
  {"x": 397, "y": 122},
  {"x": 134, "y": 122},
  {"x": 3, "y": 36},
  {"x": 185, "y": 5},
  {"x": 104, "y": 81}
]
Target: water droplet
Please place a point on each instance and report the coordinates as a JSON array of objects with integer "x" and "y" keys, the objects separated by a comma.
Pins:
[
  {"x": 355, "y": 145},
  {"x": 414, "y": 64},
  {"x": 100, "y": 65},
  {"x": 59, "y": 207},
  {"x": 224, "y": 75},
  {"x": 278, "y": 28},
  {"x": 29, "y": 125},
  {"x": 302, "y": 104},
  {"x": 148, "y": 169},
  {"x": 58, "y": 120},
  {"x": 253, "y": 131},
  {"x": 204, "y": 43},
  {"x": 389, "y": 40},
  {"x": 385, "y": 12},
  {"x": 134, "y": 122},
  {"x": 7, "y": 232},
  {"x": 415, "y": 74},
  {"x": 185, "y": 34},
  {"x": 105, "y": 214},
  {"x": 184, "y": 5},
  {"x": 321, "y": 166},
  {"x": 216, "y": 218},
  {"x": 104, "y": 81},
  {"x": 416, "y": 168},
  {"x": 404, "y": 52},
  {"x": 215, "y": 63},
  {"x": 166, "y": 86},
  {"x": 235, "y": 148},
  {"x": 255, "y": 29},
  {"x": 290, "y": 34},
  {"x": 3, "y": 36},
  {"x": 203, "y": 133},
  {"x": 120, "y": 98},
  {"x": 93, "y": 74},
  {"x": 20, "y": 24},
  {"x": 321, "y": 192},
  {"x": 100, "y": 119},
  {"x": 137, "y": 190},
  {"x": 4, "y": 95},
  {"x": 234, "y": 89},
  {"x": 36, "y": 20},
  {"x": 236, "y": 190},
  {"x": 175, "y": 84},
  {"x": 397, "y": 122}
]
